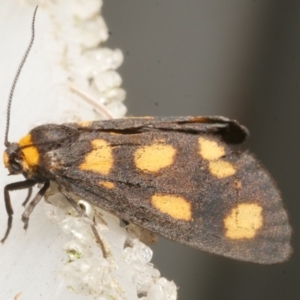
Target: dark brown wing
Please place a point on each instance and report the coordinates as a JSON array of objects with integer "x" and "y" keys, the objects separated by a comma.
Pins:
[
  {"x": 230, "y": 131},
  {"x": 182, "y": 183}
]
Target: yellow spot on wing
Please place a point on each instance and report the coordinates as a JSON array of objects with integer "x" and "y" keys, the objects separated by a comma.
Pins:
[
  {"x": 213, "y": 152},
  {"x": 238, "y": 184},
  {"x": 107, "y": 184},
  {"x": 84, "y": 123},
  {"x": 100, "y": 159},
  {"x": 154, "y": 157},
  {"x": 176, "y": 207},
  {"x": 243, "y": 221},
  {"x": 221, "y": 168},
  {"x": 210, "y": 150},
  {"x": 30, "y": 152}
]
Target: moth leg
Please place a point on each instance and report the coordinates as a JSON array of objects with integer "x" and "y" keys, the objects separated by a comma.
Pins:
[
  {"x": 26, "y": 184},
  {"x": 98, "y": 239},
  {"x": 32, "y": 204},
  {"x": 28, "y": 196},
  {"x": 73, "y": 203},
  {"x": 81, "y": 212}
]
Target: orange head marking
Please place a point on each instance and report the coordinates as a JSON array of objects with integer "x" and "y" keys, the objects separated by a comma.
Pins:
[{"x": 21, "y": 157}]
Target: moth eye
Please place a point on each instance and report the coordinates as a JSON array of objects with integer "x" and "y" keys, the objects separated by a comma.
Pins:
[{"x": 16, "y": 166}]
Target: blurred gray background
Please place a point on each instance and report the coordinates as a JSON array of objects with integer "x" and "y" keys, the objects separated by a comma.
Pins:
[{"x": 240, "y": 59}]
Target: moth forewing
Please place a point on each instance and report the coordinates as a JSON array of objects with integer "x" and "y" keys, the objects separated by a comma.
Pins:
[{"x": 175, "y": 176}]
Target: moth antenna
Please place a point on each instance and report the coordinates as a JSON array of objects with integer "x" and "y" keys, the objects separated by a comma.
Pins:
[{"x": 6, "y": 142}]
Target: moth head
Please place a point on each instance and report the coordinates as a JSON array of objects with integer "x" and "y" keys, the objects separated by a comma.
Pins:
[
  {"x": 22, "y": 157},
  {"x": 13, "y": 159}
]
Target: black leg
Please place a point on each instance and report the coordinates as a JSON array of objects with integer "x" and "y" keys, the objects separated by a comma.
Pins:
[
  {"x": 28, "y": 196},
  {"x": 26, "y": 184},
  {"x": 33, "y": 203},
  {"x": 8, "y": 228},
  {"x": 21, "y": 185}
]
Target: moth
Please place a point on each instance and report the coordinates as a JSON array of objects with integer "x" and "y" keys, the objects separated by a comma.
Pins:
[{"x": 175, "y": 176}]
